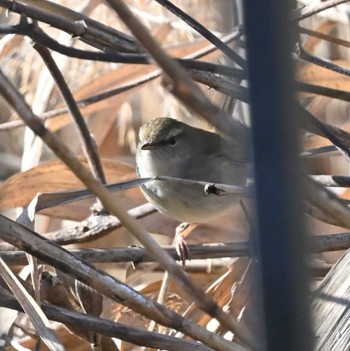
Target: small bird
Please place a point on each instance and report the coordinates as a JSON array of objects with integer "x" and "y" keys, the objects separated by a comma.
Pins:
[{"x": 168, "y": 147}]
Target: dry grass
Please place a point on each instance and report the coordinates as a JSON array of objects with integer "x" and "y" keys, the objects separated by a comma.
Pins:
[{"x": 28, "y": 167}]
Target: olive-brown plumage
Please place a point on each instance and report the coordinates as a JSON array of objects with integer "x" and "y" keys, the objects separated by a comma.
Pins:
[{"x": 171, "y": 148}]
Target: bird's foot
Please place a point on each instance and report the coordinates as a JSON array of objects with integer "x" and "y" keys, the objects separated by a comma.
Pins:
[{"x": 182, "y": 249}]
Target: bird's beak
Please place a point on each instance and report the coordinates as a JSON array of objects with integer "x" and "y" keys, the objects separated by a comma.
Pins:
[{"x": 149, "y": 146}]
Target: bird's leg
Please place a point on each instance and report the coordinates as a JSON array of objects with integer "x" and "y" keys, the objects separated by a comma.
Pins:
[{"x": 181, "y": 232}]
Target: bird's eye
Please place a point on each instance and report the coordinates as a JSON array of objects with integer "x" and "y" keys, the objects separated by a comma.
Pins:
[{"x": 172, "y": 141}]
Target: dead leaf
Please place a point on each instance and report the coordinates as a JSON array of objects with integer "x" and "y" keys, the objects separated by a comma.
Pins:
[{"x": 51, "y": 176}]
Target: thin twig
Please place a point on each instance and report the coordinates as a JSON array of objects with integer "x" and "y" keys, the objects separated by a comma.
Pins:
[
  {"x": 312, "y": 9},
  {"x": 324, "y": 36},
  {"x": 94, "y": 227},
  {"x": 338, "y": 137},
  {"x": 89, "y": 145},
  {"x": 139, "y": 255},
  {"x": 76, "y": 24},
  {"x": 225, "y": 86},
  {"x": 321, "y": 243},
  {"x": 322, "y": 90},
  {"x": 204, "y": 32},
  {"x": 303, "y": 55}
]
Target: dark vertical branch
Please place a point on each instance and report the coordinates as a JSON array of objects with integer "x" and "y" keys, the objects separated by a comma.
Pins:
[{"x": 281, "y": 238}]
